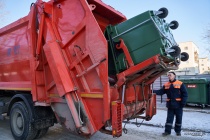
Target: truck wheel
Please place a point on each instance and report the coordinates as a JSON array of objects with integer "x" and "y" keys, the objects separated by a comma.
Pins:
[
  {"x": 174, "y": 25},
  {"x": 42, "y": 112},
  {"x": 20, "y": 123},
  {"x": 202, "y": 106},
  {"x": 41, "y": 133},
  {"x": 164, "y": 12}
]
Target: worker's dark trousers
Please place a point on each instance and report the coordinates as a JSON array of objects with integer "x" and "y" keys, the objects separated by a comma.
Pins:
[{"x": 170, "y": 117}]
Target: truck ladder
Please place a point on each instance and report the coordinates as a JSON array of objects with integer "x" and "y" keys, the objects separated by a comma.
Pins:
[{"x": 117, "y": 118}]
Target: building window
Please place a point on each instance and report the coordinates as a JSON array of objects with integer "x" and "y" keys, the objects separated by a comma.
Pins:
[
  {"x": 202, "y": 64},
  {"x": 203, "y": 68},
  {"x": 186, "y": 48}
]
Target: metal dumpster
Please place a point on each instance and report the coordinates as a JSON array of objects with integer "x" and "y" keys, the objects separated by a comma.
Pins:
[
  {"x": 145, "y": 35},
  {"x": 198, "y": 91}
]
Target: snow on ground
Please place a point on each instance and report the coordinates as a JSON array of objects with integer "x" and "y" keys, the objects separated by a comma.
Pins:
[
  {"x": 198, "y": 122},
  {"x": 150, "y": 133},
  {"x": 196, "y": 126},
  {"x": 191, "y": 120},
  {"x": 194, "y": 120}
]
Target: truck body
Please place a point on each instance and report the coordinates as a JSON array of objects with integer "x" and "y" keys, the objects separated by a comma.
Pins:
[{"x": 64, "y": 63}]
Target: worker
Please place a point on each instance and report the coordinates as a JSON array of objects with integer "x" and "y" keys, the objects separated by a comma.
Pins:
[{"x": 176, "y": 100}]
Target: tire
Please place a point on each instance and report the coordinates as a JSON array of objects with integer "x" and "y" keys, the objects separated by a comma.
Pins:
[
  {"x": 41, "y": 112},
  {"x": 41, "y": 132},
  {"x": 184, "y": 56},
  {"x": 20, "y": 122},
  {"x": 176, "y": 52},
  {"x": 202, "y": 106},
  {"x": 164, "y": 14},
  {"x": 174, "y": 25}
]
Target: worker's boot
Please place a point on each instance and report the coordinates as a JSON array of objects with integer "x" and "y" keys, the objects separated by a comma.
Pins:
[
  {"x": 178, "y": 134},
  {"x": 165, "y": 134}
]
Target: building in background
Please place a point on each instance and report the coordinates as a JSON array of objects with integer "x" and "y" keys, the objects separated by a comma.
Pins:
[
  {"x": 191, "y": 66},
  {"x": 204, "y": 65}
]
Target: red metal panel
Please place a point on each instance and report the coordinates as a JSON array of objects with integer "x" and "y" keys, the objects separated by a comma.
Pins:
[
  {"x": 107, "y": 12},
  {"x": 14, "y": 55},
  {"x": 151, "y": 107},
  {"x": 76, "y": 53},
  {"x": 23, "y": 86}
]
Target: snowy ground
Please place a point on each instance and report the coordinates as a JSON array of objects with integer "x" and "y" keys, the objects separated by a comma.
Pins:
[{"x": 196, "y": 126}]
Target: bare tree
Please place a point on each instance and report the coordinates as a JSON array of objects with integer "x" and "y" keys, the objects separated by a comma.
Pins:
[
  {"x": 206, "y": 38},
  {"x": 207, "y": 34}
]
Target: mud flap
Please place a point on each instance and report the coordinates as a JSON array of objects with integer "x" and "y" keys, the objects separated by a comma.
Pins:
[{"x": 151, "y": 107}]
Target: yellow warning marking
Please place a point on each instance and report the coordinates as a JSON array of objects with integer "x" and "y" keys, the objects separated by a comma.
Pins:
[
  {"x": 114, "y": 103},
  {"x": 22, "y": 89},
  {"x": 54, "y": 95},
  {"x": 92, "y": 95}
]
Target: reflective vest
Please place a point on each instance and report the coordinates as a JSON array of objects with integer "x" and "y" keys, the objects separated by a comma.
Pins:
[{"x": 176, "y": 91}]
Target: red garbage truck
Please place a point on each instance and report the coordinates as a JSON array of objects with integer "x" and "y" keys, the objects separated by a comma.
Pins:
[{"x": 82, "y": 64}]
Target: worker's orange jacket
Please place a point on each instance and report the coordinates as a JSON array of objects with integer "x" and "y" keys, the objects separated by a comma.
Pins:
[{"x": 176, "y": 94}]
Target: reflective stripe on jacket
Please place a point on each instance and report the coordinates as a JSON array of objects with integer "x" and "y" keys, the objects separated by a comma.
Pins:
[
  {"x": 176, "y": 84},
  {"x": 177, "y": 99},
  {"x": 176, "y": 94}
]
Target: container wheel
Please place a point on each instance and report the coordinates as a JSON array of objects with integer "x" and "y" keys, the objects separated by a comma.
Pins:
[
  {"x": 176, "y": 51},
  {"x": 177, "y": 61},
  {"x": 20, "y": 124},
  {"x": 174, "y": 25},
  {"x": 164, "y": 13},
  {"x": 184, "y": 56}
]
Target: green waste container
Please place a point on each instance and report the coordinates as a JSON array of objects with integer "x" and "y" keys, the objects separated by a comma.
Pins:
[
  {"x": 145, "y": 35},
  {"x": 198, "y": 91}
]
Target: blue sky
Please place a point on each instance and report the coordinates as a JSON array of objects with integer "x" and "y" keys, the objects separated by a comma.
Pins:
[{"x": 193, "y": 15}]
